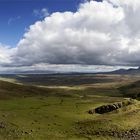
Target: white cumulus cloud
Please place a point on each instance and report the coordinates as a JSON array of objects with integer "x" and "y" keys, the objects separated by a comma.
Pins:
[{"x": 98, "y": 33}]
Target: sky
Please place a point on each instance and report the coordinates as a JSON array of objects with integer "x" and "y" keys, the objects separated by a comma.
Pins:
[
  {"x": 20, "y": 15},
  {"x": 69, "y": 35}
]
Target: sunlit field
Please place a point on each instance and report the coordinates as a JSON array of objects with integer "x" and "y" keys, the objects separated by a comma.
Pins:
[{"x": 40, "y": 109}]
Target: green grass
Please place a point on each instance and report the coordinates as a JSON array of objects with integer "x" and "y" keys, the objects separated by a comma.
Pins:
[
  {"x": 119, "y": 122},
  {"x": 45, "y": 117},
  {"x": 28, "y": 112}
]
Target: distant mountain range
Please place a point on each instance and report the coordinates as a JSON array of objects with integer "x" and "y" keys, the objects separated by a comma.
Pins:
[
  {"x": 119, "y": 71},
  {"x": 124, "y": 71}
]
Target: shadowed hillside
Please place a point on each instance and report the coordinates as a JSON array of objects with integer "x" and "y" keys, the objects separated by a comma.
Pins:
[
  {"x": 8, "y": 89},
  {"x": 131, "y": 90}
]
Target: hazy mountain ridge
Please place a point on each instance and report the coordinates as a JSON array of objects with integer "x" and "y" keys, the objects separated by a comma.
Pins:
[{"x": 124, "y": 71}]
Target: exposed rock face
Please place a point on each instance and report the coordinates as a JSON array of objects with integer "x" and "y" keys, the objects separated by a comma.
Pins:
[{"x": 108, "y": 108}]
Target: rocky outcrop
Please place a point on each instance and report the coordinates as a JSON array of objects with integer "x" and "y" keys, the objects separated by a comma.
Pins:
[{"x": 111, "y": 107}]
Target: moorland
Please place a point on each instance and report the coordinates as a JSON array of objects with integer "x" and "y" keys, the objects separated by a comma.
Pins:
[{"x": 56, "y": 107}]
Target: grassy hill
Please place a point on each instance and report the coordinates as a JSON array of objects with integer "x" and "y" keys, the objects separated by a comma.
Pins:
[
  {"x": 29, "y": 111},
  {"x": 131, "y": 90}
]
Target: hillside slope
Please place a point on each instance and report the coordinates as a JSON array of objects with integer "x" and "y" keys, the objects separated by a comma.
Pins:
[{"x": 11, "y": 90}]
